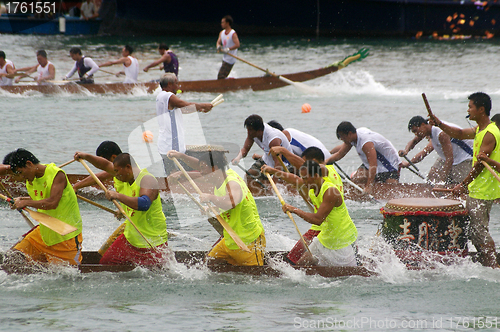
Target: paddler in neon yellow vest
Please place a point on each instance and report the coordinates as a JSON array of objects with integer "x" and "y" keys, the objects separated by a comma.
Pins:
[
  {"x": 330, "y": 174},
  {"x": 51, "y": 193},
  {"x": 236, "y": 205},
  {"x": 138, "y": 192},
  {"x": 333, "y": 245},
  {"x": 482, "y": 186}
]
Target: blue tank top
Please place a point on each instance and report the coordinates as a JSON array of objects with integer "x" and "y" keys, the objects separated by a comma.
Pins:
[
  {"x": 80, "y": 66},
  {"x": 173, "y": 66}
]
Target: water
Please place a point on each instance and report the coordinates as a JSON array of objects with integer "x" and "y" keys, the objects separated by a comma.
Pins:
[{"x": 381, "y": 92}]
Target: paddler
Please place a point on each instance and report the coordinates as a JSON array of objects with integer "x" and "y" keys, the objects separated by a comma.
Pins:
[
  {"x": 7, "y": 69},
  {"x": 329, "y": 174},
  {"x": 45, "y": 69},
  {"x": 169, "y": 62},
  {"x": 130, "y": 65},
  {"x": 85, "y": 66},
  {"x": 333, "y": 245},
  {"x": 455, "y": 156},
  {"x": 227, "y": 43},
  {"x": 266, "y": 137},
  {"x": 381, "y": 162},
  {"x": 482, "y": 186},
  {"x": 138, "y": 192},
  {"x": 51, "y": 193},
  {"x": 236, "y": 204}
]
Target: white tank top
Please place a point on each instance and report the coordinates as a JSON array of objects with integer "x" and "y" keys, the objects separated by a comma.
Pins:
[
  {"x": 387, "y": 156},
  {"x": 43, "y": 72},
  {"x": 269, "y": 134},
  {"x": 301, "y": 141},
  {"x": 3, "y": 70},
  {"x": 131, "y": 71},
  {"x": 227, "y": 42},
  {"x": 460, "y": 147},
  {"x": 166, "y": 118}
]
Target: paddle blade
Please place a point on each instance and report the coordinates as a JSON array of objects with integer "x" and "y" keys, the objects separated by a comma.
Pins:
[
  {"x": 304, "y": 88},
  {"x": 54, "y": 224}
]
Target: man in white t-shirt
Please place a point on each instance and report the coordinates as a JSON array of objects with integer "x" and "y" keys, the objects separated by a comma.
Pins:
[
  {"x": 130, "y": 65},
  {"x": 265, "y": 137},
  {"x": 169, "y": 110},
  {"x": 227, "y": 42},
  {"x": 455, "y": 156},
  {"x": 381, "y": 162}
]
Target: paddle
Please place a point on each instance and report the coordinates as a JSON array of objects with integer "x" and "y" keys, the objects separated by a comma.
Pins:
[
  {"x": 251, "y": 175},
  {"x": 289, "y": 214},
  {"x": 215, "y": 224},
  {"x": 54, "y": 224},
  {"x": 120, "y": 208},
  {"x": 301, "y": 193},
  {"x": 416, "y": 171},
  {"x": 97, "y": 204},
  {"x": 66, "y": 163},
  {"x": 348, "y": 180},
  {"x": 300, "y": 86},
  {"x": 224, "y": 224},
  {"x": 28, "y": 220},
  {"x": 105, "y": 246}
]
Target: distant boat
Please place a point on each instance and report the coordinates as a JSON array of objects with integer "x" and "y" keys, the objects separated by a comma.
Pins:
[{"x": 65, "y": 25}]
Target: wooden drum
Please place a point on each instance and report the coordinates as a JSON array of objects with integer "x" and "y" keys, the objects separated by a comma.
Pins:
[{"x": 432, "y": 224}]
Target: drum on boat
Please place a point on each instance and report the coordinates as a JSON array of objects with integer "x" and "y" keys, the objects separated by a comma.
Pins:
[{"x": 415, "y": 225}]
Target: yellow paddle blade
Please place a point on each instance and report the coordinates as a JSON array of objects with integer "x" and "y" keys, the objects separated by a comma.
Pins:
[{"x": 53, "y": 223}]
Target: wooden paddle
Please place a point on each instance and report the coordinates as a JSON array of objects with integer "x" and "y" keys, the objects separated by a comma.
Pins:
[
  {"x": 287, "y": 212},
  {"x": 120, "y": 208},
  {"x": 224, "y": 224},
  {"x": 28, "y": 220},
  {"x": 348, "y": 180},
  {"x": 97, "y": 204},
  {"x": 488, "y": 167},
  {"x": 301, "y": 193},
  {"x": 216, "y": 225},
  {"x": 66, "y": 163},
  {"x": 300, "y": 86},
  {"x": 54, "y": 224},
  {"x": 105, "y": 246},
  {"x": 416, "y": 171},
  {"x": 251, "y": 175}
]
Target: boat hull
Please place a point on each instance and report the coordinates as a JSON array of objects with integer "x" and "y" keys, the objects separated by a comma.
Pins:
[
  {"x": 90, "y": 263},
  {"x": 259, "y": 83}
]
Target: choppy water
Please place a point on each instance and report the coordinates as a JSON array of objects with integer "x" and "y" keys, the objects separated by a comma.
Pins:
[{"x": 382, "y": 92}]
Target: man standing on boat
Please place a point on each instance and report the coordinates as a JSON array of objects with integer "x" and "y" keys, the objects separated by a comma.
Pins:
[
  {"x": 7, "y": 69},
  {"x": 130, "y": 65},
  {"x": 85, "y": 66},
  {"x": 329, "y": 174},
  {"x": 138, "y": 192},
  {"x": 236, "y": 204},
  {"x": 51, "y": 193},
  {"x": 482, "y": 186},
  {"x": 227, "y": 43},
  {"x": 455, "y": 156},
  {"x": 169, "y": 61},
  {"x": 169, "y": 110},
  {"x": 88, "y": 10},
  {"x": 266, "y": 137},
  {"x": 333, "y": 245},
  {"x": 45, "y": 69},
  {"x": 381, "y": 162}
]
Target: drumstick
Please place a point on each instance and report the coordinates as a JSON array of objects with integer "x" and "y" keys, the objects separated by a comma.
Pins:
[
  {"x": 490, "y": 169},
  {"x": 219, "y": 97},
  {"x": 218, "y": 102}
]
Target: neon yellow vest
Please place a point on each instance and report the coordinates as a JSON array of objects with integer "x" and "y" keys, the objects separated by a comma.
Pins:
[
  {"x": 151, "y": 223},
  {"x": 334, "y": 178},
  {"x": 243, "y": 218},
  {"x": 337, "y": 230},
  {"x": 67, "y": 210},
  {"x": 485, "y": 185}
]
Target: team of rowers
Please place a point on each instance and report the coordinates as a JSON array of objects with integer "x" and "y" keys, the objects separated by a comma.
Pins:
[{"x": 331, "y": 239}]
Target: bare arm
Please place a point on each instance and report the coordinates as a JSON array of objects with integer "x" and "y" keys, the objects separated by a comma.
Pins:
[
  {"x": 340, "y": 153},
  {"x": 149, "y": 187},
  {"x": 411, "y": 144},
  {"x": 419, "y": 156},
  {"x": 60, "y": 182},
  {"x": 176, "y": 102},
  {"x": 286, "y": 176},
  {"x": 331, "y": 199},
  {"x": 295, "y": 160},
  {"x": 274, "y": 143},
  {"x": 89, "y": 181},
  {"x": 98, "y": 162},
  {"x": 226, "y": 202},
  {"x": 192, "y": 162},
  {"x": 125, "y": 60},
  {"x": 247, "y": 145},
  {"x": 236, "y": 42},
  {"x": 164, "y": 58}
]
